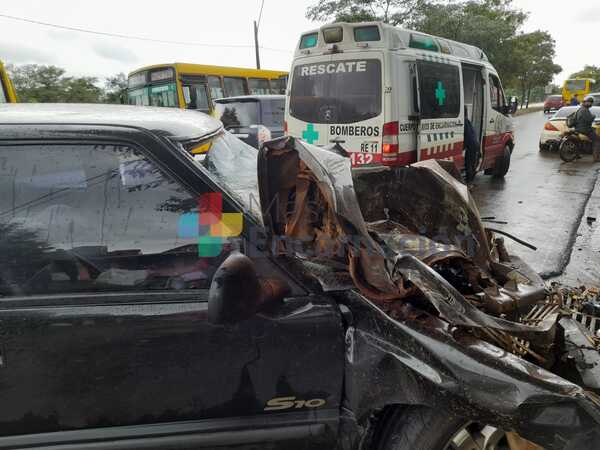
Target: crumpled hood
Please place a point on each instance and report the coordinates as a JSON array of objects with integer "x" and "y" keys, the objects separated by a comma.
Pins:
[
  {"x": 441, "y": 313},
  {"x": 387, "y": 228}
]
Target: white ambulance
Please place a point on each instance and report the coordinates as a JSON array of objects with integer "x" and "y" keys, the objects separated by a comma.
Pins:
[{"x": 392, "y": 96}]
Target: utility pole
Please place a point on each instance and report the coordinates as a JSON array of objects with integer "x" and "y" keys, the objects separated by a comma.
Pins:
[{"x": 256, "y": 45}]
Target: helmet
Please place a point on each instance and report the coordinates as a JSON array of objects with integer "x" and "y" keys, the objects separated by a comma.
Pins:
[{"x": 589, "y": 98}]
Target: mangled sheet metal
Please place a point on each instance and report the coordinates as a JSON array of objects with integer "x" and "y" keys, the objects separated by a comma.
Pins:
[{"x": 449, "y": 304}]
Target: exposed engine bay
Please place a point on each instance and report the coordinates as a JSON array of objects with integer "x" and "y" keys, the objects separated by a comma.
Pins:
[{"x": 411, "y": 241}]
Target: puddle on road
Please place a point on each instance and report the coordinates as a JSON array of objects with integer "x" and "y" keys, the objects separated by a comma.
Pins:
[{"x": 570, "y": 172}]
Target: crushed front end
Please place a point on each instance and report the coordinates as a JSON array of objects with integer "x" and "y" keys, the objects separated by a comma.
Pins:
[{"x": 441, "y": 313}]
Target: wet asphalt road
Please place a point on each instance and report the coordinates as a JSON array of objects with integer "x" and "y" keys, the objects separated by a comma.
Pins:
[{"x": 546, "y": 202}]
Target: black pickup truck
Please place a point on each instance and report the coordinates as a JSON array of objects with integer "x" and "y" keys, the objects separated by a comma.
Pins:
[{"x": 148, "y": 301}]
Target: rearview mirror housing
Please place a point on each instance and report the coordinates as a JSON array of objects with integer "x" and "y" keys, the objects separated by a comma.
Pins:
[{"x": 237, "y": 293}]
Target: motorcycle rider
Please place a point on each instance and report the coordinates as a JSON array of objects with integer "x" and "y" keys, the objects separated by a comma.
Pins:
[{"x": 583, "y": 124}]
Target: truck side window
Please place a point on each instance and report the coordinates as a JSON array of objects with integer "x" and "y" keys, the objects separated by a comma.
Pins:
[
  {"x": 97, "y": 218},
  {"x": 497, "y": 94},
  {"x": 439, "y": 88}
]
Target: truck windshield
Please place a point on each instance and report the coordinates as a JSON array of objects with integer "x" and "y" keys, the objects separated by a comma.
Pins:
[
  {"x": 336, "y": 92},
  {"x": 233, "y": 166}
]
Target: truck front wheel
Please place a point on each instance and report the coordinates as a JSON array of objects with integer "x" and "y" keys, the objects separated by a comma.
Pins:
[{"x": 422, "y": 428}]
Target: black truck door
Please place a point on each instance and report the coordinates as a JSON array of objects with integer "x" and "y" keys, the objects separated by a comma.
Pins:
[{"x": 103, "y": 318}]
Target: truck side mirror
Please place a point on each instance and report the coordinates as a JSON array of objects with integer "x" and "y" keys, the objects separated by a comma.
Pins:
[{"x": 237, "y": 293}]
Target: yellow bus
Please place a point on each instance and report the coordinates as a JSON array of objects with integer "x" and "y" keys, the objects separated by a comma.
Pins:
[
  {"x": 195, "y": 86},
  {"x": 7, "y": 92},
  {"x": 576, "y": 86}
]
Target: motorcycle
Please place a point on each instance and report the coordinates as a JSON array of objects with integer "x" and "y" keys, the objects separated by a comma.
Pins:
[{"x": 573, "y": 144}]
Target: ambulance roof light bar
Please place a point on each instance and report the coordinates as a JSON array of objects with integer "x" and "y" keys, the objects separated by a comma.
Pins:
[{"x": 333, "y": 35}]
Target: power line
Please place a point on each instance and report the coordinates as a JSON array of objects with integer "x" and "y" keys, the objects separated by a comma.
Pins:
[
  {"x": 260, "y": 13},
  {"x": 136, "y": 38}
]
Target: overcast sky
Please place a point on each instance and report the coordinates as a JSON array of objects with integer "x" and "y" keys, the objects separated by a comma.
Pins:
[{"x": 220, "y": 23}]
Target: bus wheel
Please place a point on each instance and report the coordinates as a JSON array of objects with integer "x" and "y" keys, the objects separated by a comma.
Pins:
[{"x": 502, "y": 164}]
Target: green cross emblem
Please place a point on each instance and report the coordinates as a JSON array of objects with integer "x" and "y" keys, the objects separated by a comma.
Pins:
[
  {"x": 310, "y": 135},
  {"x": 440, "y": 93}
]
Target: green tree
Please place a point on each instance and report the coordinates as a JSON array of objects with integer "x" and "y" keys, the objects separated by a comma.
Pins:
[
  {"x": 48, "y": 84},
  {"x": 81, "y": 90},
  {"x": 37, "y": 84},
  {"x": 115, "y": 89},
  {"x": 394, "y": 12},
  {"x": 488, "y": 24},
  {"x": 534, "y": 61}
]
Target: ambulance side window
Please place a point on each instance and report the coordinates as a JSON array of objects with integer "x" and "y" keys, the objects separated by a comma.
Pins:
[
  {"x": 497, "y": 94},
  {"x": 439, "y": 88}
]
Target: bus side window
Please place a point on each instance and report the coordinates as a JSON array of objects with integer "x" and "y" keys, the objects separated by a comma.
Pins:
[
  {"x": 201, "y": 98},
  {"x": 216, "y": 89},
  {"x": 277, "y": 86},
  {"x": 258, "y": 86},
  {"x": 235, "y": 86},
  {"x": 187, "y": 97},
  {"x": 196, "y": 97}
]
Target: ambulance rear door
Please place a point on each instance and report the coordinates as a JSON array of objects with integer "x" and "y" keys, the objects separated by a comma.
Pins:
[{"x": 441, "y": 113}]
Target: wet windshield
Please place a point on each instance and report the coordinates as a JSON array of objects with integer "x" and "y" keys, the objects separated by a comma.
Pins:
[{"x": 232, "y": 163}]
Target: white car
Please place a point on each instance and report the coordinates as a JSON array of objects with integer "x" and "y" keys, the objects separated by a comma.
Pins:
[
  {"x": 596, "y": 96},
  {"x": 557, "y": 124}
]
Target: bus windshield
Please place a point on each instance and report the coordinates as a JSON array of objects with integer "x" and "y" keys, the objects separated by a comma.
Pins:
[
  {"x": 336, "y": 92},
  {"x": 153, "y": 88},
  {"x": 163, "y": 95},
  {"x": 576, "y": 85}
]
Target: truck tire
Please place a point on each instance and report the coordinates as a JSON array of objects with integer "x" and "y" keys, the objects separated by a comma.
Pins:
[
  {"x": 419, "y": 428},
  {"x": 502, "y": 164},
  {"x": 422, "y": 428}
]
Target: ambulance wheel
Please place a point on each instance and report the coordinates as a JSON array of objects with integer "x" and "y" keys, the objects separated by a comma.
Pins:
[{"x": 502, "y": 164}]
